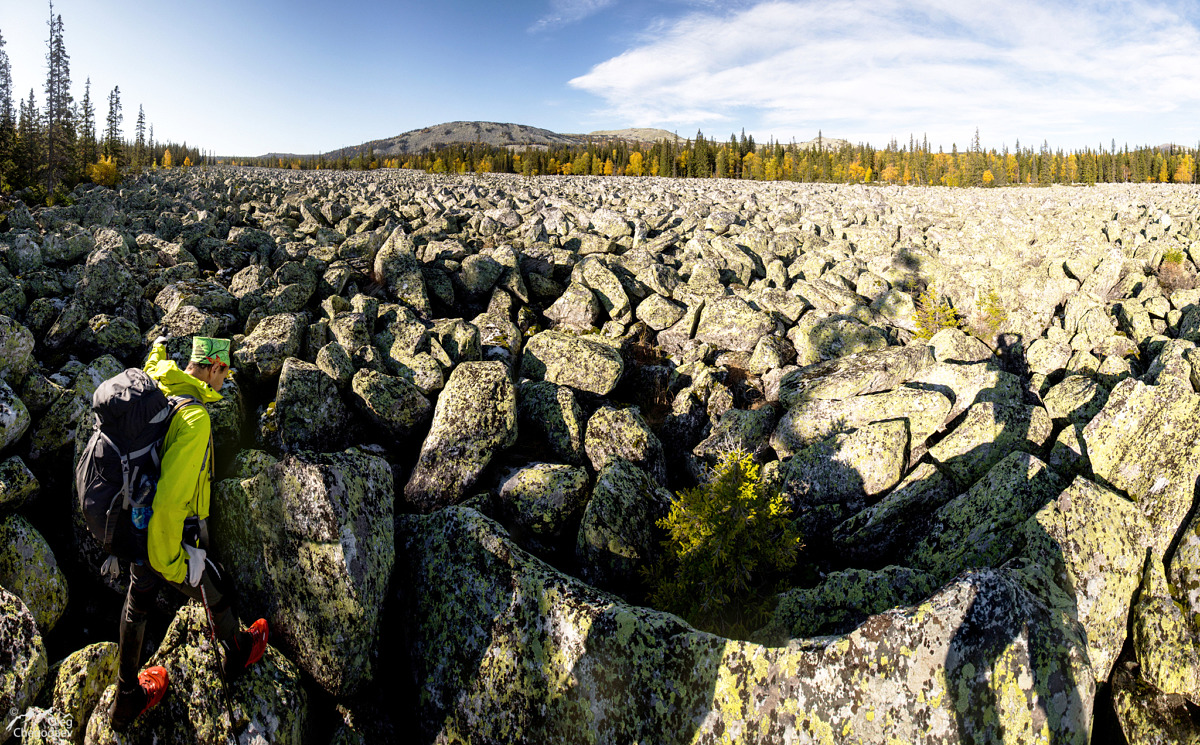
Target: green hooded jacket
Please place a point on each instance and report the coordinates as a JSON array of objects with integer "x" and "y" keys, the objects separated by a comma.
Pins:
[{"x": 187, "y": 466}]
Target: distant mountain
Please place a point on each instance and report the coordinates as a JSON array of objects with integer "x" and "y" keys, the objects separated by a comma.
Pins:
[{"x": 826, "y": 143}]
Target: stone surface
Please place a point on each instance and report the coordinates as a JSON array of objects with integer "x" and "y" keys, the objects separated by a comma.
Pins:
[
  {"x": 22, "y": 659},
  {"x": 623, "y": 433},
  {"x": 475, "y": 419},
  {"x": 275, "y": 338},
  {"x": 28, "y": 569},
  {"x": 576, "y": 361},
  {"x": 309, "y": 411},
  {"x": 923, "y": 412},
  {"x": 393, "y": 404},
  {"x": 987, "y": 434},
  {"x": 617, "y": 534},
  {"x": 542, "y": 498},
  {"x": 14, "y": 417}
]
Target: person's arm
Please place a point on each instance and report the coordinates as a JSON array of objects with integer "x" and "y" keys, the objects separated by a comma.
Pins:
[{"x": 183, "y": 461}]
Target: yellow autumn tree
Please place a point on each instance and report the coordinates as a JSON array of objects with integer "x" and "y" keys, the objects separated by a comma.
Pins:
[
  {"x": 167, "y": 162},
  {"x": 635, "y": 164},
  {"x": 1187, "y": 167},
  {"x": 187, "y": 161},
  {"x": 608, "y": 167},
  {"x": 104, "y": 172}
]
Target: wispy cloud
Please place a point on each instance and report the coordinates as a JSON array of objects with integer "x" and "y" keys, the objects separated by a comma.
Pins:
[
  {"x": 873, "y": 69},
  {"x": 566, "y": 12}
]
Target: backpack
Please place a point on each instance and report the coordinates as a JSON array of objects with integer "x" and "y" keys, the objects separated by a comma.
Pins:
[{"x": 117, "y": 474}]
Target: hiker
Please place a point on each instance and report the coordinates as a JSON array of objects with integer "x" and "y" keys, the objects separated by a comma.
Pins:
[{"x": 177, "y": 535}]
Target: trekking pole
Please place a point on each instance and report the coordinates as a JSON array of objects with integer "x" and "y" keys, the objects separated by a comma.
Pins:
[{"x": 212, "y": 634}]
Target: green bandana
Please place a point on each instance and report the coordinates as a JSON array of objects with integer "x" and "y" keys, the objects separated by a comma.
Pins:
[{"x": 206, "y": 351}]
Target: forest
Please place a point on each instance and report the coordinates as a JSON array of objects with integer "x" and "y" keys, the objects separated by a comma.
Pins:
[
  {"x": 46, "y": 150},
  {"x": 914, "y": 163}
]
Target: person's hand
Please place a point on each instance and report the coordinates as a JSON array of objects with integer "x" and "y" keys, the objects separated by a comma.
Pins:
[
  {"x": 160, "y": 340},
  {"x": 195, "y": 564}
]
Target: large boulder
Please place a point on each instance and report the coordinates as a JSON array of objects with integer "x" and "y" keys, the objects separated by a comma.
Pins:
[
  {"x": 580, "y": 362},
  {"x": 309, "y": 541},
  {"x": 29, "y": 569},
  {"x": 617, "y": 535},
  {"x": 266, "y": 705},
  {"x": 1163, "y": 640},
  {"x": 730, "y": 323},
  {"x": 399, "y": 271},
  {"x": 577, "y": 308},
  {"x": 22, "y": 660},
  {"x": 524, "y": 653},
  {"x": 394, "y": 404},
  {"x": 550, "y": 412},
  {"x": 1145, "y": 442},
  {"x": 74, "y": 686},
  {"x": 14, "y": 416},
  {"x": 475, "y": 418},
  {"x": 897, "y": 520},
  {"x": 309, "y": 412},
  {"x": 17, "y": 484},
  {"x": 867, "y": 372},
  {"x": 613, "y": 432},
  {"x": 541, "y": 499},
  {"x": 275, "y": 338},
  {"x": 16, "y": 351},
  {"x": 988, "y": 433},
  {"x": 806, "y": 422}
]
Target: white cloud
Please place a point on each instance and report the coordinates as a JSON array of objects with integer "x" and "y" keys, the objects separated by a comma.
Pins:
[
  {"x": 868, "y": 70},
  {"x": 566, "y": 12}
]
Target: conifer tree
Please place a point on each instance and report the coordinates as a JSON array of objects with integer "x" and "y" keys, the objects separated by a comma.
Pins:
[
  {"x": 8, "y": 122},
  {"x": 112, "y": 130},
  {"x": 86, "y": 150},
  {"x": 60, "y": 120},
  {"x": 27, "y": 155},
  {"x": 139, "y": 145}
]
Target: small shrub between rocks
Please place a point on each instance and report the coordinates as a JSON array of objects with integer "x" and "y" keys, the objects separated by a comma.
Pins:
[
  {"x": 933, "y": 314},
  {"x": 1173, "y": 273},
  {"x": 728, "y": 542},
  {"x": 990, "y": 316}
]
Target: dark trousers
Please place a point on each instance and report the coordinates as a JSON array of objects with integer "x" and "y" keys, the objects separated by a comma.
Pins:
[{"x": 144, "y": 584}]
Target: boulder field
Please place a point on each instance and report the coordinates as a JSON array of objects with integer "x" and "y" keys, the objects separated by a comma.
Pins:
[{"x": 461, "y": 406}]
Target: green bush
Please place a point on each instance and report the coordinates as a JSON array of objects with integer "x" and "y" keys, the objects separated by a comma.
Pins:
[
  {"x": 933, "y": 314},
  {"x": 991, "y": 314},
  {"x": 728, "y": 542}
]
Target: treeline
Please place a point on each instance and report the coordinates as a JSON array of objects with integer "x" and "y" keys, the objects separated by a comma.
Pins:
[
  {"x": 46, "y": 151},
  {"x": 915, "y": 163}
]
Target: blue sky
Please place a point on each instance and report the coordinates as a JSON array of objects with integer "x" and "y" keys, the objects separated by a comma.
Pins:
[{"x": 251, "y": 77}]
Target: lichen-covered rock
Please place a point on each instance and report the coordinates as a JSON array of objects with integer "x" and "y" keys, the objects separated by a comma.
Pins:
[
  {"x": 897, "y": 520},
  {"x": 623, "y": 433},
  {"x": 967, "y": 384},
  {"x": 838, "y": 336},
  {"x": 309, "y": 543},
  {"x": 1076, "y": 399},
  {"x": 397, "y": 266},
  {"x": 1163, "y": 640},
  {"x": 458, "y": 339},
  {"x": 522, "y": 653},
  {"x": 617, "y": 535},
  {"x": 22, "y": 660},
  {"x": 988, "y": 433},
  {"x": 266, "y": 705},
  {"x": 1047, "y": 357},
  {"x": 659, "y": 313},
  {"x": 977, "y": 528},
  {"x": 541, "y": 499},
  {"x": 738, "y": 429},
  {"x": 843, "y": 601},
  {"x": 1093, "y": 541},
  {"x": 577, "y": 361},
  {"x": 16, "y": 351},
  {"x": 1147, "y": 715},
  {"x": 806, "y": 422},
  {"x": 207, "y": 295},
  {"x": 17, "y": 484},
  {"x": 952, "y": 345},
  {"x": 74, "y": 686},
  {"x": 334, "y": 361},
  {"x": 394, "y": 404},
  {"x": 275, "y": 338},
  {"x": 868, "y": 372},
  {"x": 1145, "y": 442},
  {"x": 309, "y": 411},
  {"x": 14, "y": 417},
  {"x": 29, "y": 569},
  {"x": 105, "y": 282},
  {"x": 551, "y": 412},
  {"x": 69, "y": 417},
  {"x": 730, "y": 323},
  {"x": 475, "y": 418}
]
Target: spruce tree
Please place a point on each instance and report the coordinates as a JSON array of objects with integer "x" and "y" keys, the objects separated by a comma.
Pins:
[
  {"x": 139, "y": 145},
  {"x": 112, "y": 130},
  {"x": 28, "y": 152},
  {"x": 8, "y": 122},
  {"x": 60, "y": 119},
  {"x": 86, "y": 152}
]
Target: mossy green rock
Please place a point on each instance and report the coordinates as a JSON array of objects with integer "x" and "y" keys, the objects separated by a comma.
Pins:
[
  {"x": 839, "y": 336},
  {"x": 309, "y": 410},
  {"x": 730, "y": 323},
  {"x": 988, "y": 433},
  {"x": 843, "y": 601},
  {"x": 17, "y": 484},
  {"x": 105, "y": 282},
  {"x": 309, "y": 541},
  {"x": 207, "y": 295},
  {"x": 551, "y": 412},
  {"x": 953, "y": 346},
  {"x": 14, "y": 417},
  {"x": 900, "y": 518},
  {"x": 541, "y": 499},
  {"x": 22, "y": 659},
  {"x": 1145, "y": 442},
  {"x": 580, "y": 362},
  {"x": 1183, "y": 571},
  {"x": 855, "y": 375},
  {"x": 617, "y": 535},
  {"x": 809, "y": 421},
  {"x": 29, "y": 569},
  {"x": 74, "y": 686},
  {"x": 393, "y": 404},
  {"x": 275, "y": 338},
  {"x": 976, "y": 528},
  {"x": 1093, "y": 542},
  {"x": 397, "y": 266},
  {"x": 1163, "y": 640},
  {"x": 523, "y": 653},
  {"x": 613, "y": 432},
  {"x": 1147, "y": 715},
  {"x": 659, "y": 313},
  {"x": 458, "y": 339},
  {"x": 475, "y": 418},
  {"x": 266, "y": 705},
  {"x": 16, "y": 351}
]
